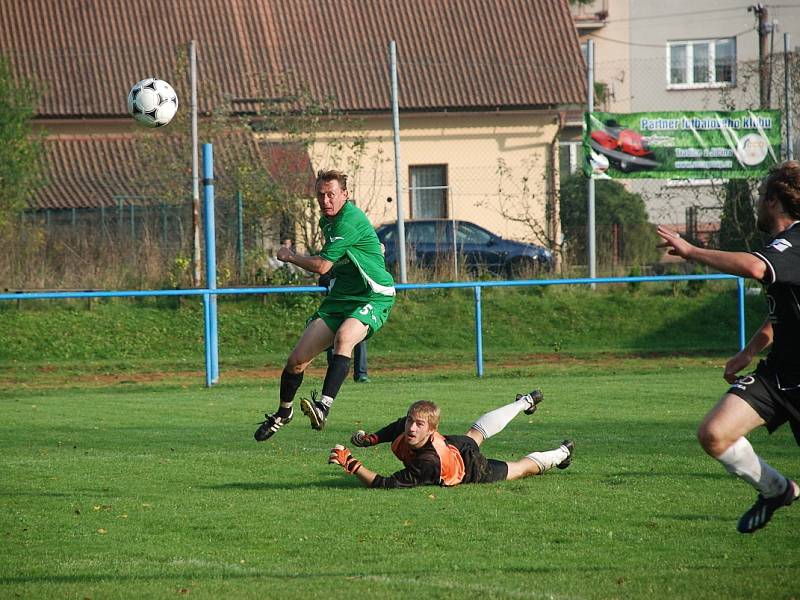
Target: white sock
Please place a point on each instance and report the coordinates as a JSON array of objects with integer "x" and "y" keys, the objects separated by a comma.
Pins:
[
  {"x": 549, "y": 459},
  {"x": 741, "y": 460},
  {"x": 496, "y": 420},
  {"x": 326, "y": 401}
]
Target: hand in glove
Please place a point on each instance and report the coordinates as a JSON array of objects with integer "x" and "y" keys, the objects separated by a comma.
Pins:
[
  {"x": 364, "y": 440},
  {"x": 341, "y": 456}
]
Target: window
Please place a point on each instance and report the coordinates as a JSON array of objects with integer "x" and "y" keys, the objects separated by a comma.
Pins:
[
  {"x": 428, "y": 191},
  {"x": 701, "y": 63},
  {"x": 469, "y": 234},
  {"x": 421, "y": 233}
]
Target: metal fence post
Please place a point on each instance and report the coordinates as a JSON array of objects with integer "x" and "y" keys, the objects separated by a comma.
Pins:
[
  {"x": 478, "y": 332},
  {"x": 740, "y": 285},
  {"x": 209, "y": 299}
]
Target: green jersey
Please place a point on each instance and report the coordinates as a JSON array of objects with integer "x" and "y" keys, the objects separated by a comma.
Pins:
[{"x": 351, "y": 244}]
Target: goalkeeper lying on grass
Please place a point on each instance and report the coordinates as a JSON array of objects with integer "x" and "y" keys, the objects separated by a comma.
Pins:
[{"x": 431, "y": 458}]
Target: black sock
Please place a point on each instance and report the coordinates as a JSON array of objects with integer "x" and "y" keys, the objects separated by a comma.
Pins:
[
  {"x": 290, "y": 383},
  {"x": 335, "y": 376}
]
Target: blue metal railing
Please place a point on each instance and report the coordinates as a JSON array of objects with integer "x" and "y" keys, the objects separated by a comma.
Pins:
[{"x": 210, "y": 317}]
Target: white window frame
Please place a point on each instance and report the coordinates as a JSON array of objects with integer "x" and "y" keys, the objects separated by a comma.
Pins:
[{"x": 712, "y": 60}]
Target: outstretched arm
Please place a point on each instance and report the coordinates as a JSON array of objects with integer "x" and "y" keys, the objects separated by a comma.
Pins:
[
  {"x": 422, "y": 472},
  {"x": 315, "y": 264},
  {"x": 742, "y": 264}
]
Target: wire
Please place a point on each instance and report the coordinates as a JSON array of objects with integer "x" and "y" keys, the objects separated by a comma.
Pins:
[
  {"x": 680, "y": 14},
  {"x": 625, "y": 43}
]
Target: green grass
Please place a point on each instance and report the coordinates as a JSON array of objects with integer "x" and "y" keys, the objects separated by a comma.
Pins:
[{"x": 158, "y": 491}]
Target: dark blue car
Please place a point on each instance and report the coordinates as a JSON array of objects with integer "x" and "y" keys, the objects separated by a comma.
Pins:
[{"x": 431, "y": 241}]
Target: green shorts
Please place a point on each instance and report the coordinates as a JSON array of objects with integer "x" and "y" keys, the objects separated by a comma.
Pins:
[{"x": 373, "y": 312}]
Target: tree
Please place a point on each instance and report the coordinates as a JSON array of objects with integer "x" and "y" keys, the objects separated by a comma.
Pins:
[
  {"x": 737, "y": 230},
  {"x": 623, "y": 232},
  {"x": 20, "y": 148}
]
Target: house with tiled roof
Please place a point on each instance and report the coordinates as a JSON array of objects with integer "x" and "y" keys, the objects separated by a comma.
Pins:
[{"x": 483, "y": 86}]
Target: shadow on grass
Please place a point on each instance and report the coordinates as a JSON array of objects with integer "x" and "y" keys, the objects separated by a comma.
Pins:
[
  {"x": 614, "y": 478},
  {"x": 693, "y": 518},
  {"x": 269, "y": 485},
  {"x": 697, "y": 329},
  {"x": 228, "y": 574}
]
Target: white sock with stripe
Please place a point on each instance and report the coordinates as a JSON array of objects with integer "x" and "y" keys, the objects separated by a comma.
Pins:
[
  {"x": 549, "y": 459},
  {"x": 741, "y": 460},
  {"x": 496, "y": 420}
]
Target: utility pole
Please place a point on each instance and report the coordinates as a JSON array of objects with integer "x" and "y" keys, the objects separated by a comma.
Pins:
[{"x": 764, "y": 70}]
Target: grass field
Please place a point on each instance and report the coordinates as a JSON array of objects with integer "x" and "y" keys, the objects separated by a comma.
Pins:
[{"x": 132, "y": 490}]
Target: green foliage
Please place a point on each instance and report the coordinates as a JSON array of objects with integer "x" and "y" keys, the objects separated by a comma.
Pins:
[
  {"x": 159, "y": 491},
  {"x": 635, "y": 239},
  {"x": 737, "y": 231},
  {"x": 613, "y": 203},
  {"x": 634, "y": 286},
  {"x": 20, "y": 148}
]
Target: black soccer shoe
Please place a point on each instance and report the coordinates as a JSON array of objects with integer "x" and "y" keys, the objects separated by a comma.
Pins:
[
  {"x": 570, "y": 446},
  {"x": 271, "y": 425},
  {"x": 533, "y": 399},
  {"x": 761, "y": 512},
  {"x": 316, "y": 411}
]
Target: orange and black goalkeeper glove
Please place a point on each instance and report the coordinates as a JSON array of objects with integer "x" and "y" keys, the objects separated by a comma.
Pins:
[
  {"x": 363, "y": 440},
  {"x": 341, "y": 456}
]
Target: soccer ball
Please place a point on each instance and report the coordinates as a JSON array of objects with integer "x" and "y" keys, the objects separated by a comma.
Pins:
[{"x": 152, "y": 102}]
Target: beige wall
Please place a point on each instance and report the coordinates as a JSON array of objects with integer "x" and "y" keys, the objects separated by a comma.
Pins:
[
  {"x": 611, "y": 50},
  {"x": 473, "y": 146}
]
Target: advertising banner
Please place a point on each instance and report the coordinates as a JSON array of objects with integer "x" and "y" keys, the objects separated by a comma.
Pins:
[{"x": 681, "y": 145}]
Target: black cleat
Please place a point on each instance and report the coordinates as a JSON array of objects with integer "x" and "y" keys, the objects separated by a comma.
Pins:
[
  {"x": 271, "y": 425},
  {"x": 315, "y": 411},
  {"x": 761, "y": 512},
  {"x": 533, "y": 399},
  {"x": 570, "y": 446}
]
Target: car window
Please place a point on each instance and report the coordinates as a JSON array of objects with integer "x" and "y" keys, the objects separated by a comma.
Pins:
[
  {"x": 468, "y": 234},
  {"x": 441, "y": 233},
  {"x": 419, "y": 233},
  {"x": 388, "y": 235}
]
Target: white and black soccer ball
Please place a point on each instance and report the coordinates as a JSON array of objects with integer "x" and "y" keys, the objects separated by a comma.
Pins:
[{"x": 152, "y": 102}]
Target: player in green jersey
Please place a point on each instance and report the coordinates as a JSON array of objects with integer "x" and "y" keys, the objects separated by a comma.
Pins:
[{"x": 360, "y": 296}]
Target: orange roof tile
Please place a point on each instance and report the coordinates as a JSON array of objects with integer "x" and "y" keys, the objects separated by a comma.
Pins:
[
  {"x": 452, "y": 54},
  {"x": 93, "y": 171}
]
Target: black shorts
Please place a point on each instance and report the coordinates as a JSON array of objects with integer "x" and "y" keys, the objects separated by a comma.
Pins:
[
  {"x": 774, "y": 397},
  {"x": 477, "y": 468}
]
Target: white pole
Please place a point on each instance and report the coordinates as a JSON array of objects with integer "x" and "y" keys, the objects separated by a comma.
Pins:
[
  {"x": 195, "y": 169},
  {"x": 787, "y": 83},
  {"x": 398, "y": 184},
  {"x": 590, "y": 186},
  {"x": 453, "y": 220}
]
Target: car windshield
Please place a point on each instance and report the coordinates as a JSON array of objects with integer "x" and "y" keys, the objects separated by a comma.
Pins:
[
  {"x": 469, "y": 234},
  {"x": 387, "y": 234}
]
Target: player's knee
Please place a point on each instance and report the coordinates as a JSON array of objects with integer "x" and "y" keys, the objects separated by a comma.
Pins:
[
  {"x": 711, "y": 439},
  {"x": 294, "y": 366},
  {"x": 344, "y": 343}
]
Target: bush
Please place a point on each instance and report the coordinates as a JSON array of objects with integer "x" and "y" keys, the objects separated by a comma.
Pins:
[{"x": 623, "y": 234}]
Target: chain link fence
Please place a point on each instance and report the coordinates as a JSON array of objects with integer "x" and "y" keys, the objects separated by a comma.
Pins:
[{"x": 504, "y": 171}]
